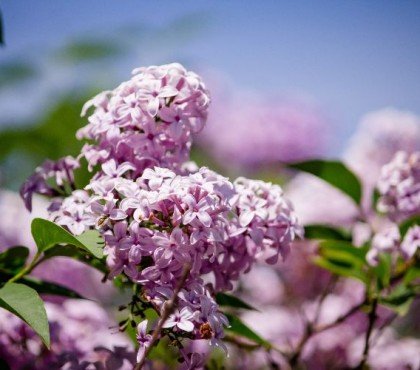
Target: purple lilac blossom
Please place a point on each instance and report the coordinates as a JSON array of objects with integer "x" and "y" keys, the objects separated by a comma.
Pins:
[
  {"x": 200, "y": 219},
  {"x": 411, "y": 242},
  {"x": 399, "y": 186},
  {"x": 256, "y": 132},
  {"x": 386, "y": 241},
  {"x": 148, "y": 120},
  {"x": 156, "y": 216},
  {"x": 388, "y": 351},
  {"x": 16, "y": 230},
  {"x": 379, "y": 136},
  {"x": 80, "y": 336},
  {"x": 59, "y": 172}
]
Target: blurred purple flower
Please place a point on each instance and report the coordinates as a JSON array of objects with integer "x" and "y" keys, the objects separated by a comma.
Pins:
[{"x": 254, "y": 132}]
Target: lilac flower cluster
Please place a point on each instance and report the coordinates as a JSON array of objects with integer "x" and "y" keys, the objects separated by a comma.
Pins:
[
  {"x": 399, "y": 186},
  {"x": 50, "y": 179},
  {"x": 81, "y": 338},
  {"x": 155, "y": 225},
  {"x": 379, "y": 135},
  {"x": 158, "y": 215},
  {"x": 389, "y": 241},
  {"x": 148, "y": 120},
  {"x": 259, "y": 132}
]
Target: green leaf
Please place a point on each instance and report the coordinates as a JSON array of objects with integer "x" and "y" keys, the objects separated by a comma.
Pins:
[
  {"x": 375, "y": 197},
  {"x": 350, "y": 253},
  {"x": 47, "y": 234},
  {"x": 89, "y": 50},
  {"x": 325, "y": 232},
  {"x": 399, "y": 300},
  {"x": 383, "y": 270},
  {"x": 404, "y": 226},
  {"x": 42, "y": 287},
  {"x": 13, "y": 259},
  {"x": 15, "y": 72},
  {"x": 413, "y": 273},
  {"x": 93, "y": 242},
  {"x": 229, "y": 300},
  {"x": 238, "y": 327},
  {"x": 336, "y": 174},
  {"x": 77, "y": 254},
  {"x": 343, "y": 258},
  {"x": 25, "y": 303},
  {"x": 46, "y": 287}
]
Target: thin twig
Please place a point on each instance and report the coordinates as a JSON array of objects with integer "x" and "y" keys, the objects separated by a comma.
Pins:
[
  {"x": 310, "y": 331},
  {"x": 342, "y": 318},
  {"x": 168, "y": 308},
  {"x": 372, "y": 318}
]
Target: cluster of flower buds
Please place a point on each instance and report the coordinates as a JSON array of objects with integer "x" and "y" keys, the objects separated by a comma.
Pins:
[
  {"x": 399, "y": 186},
  {"x": 159, "y": 220}
]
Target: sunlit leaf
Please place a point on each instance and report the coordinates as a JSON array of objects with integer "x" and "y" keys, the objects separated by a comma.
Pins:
[
  {"x": 325, "y": 232},
  {"x": 342, "y": 258},
  {"x": 238, "y": 327},
  {"x": 47, "y": 234},
  {"x": 77, "y": 254},
  {"x": 336, "y": 174},
  {"x": 399, "y": 300},
  {"x": 25, "y": 303},
  {"x": 14, "y": 258},
  {"x": 228, "y": 300}
]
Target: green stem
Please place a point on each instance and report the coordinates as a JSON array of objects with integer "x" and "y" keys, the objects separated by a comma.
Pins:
[{"x": 27, "y": 269}]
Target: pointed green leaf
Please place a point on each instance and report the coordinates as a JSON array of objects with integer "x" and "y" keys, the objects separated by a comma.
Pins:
[
  {"x": 343, "y": 258},
  {"x": 14, "y": 258},
  {"x": 25, "y": 303},
  {"x": 413, "y": 273},
  {"x": 42, "y": 287},
  {"x": 238, "y": 327},
  {"x": 325, "y": 232},
  {"x": 399, "y": 300},
  {"x": 47, "y": 234},
  {"x": 77, "y": 254},
  {"x": 46, "y": 287},
  {"x": 336, "y": 174},
  {"x": 228, "y": 300}
]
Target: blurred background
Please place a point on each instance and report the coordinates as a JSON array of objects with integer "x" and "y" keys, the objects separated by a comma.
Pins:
[{"x": 289, "y": 80}]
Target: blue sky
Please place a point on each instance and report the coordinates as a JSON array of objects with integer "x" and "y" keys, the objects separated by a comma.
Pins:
[{"x": 349, "y": 56}]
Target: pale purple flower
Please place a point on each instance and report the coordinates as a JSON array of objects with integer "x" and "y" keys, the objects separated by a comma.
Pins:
[
  {"x": 386, "y": 241},
  {"x": 399, "y": 186},
  {"x": 411, "y": 242},
  {"x": 255, "y": 132},
  {"x": 143, "y": 339},
  {"x": 78, "y": 329},
  {"x": 181, "y": 319},
  {"x": 380, "y": 134},
  {"x": 61, "y": 174},
  {"x": 153, "y": 114}
]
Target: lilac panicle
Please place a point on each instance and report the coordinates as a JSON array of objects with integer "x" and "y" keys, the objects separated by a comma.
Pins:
[
  {"x": 158, "y": 213},
  {"x": 399, "y": 186}
]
